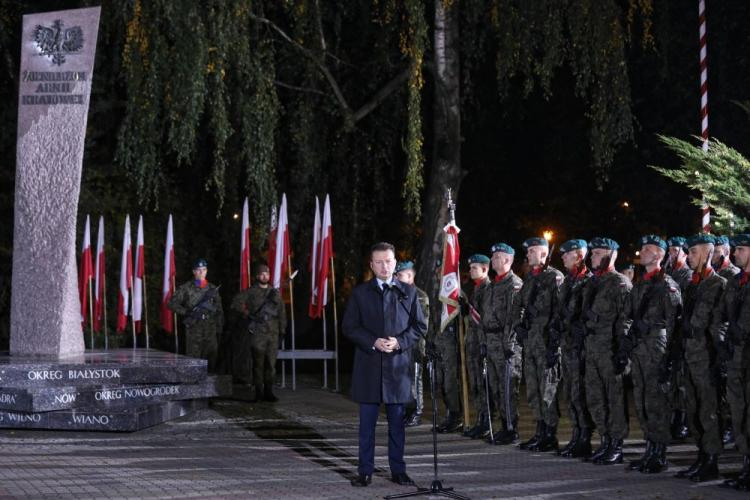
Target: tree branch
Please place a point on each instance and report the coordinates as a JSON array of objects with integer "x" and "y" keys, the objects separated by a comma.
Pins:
[
  {"x": 300, "y": 89},
  {"x": 381, "y": 95}
]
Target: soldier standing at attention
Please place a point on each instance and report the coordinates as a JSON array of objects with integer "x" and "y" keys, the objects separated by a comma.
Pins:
[
  {"x": 603, "y": 302},
  {"x": 651, "y": 310},
  {"x": 199, "y": 304},
  {"x": 699, "y": 352},
  {"x": 679, "y": 270},
  {"x": 532, "y": 313},
  {"x": 405, "y": 274},
  {"x": 264, "y": 317},
  {"x": 478, "y": 268},
  {"x": 734, "y": 311},
  {"x": 568, "y": 333},
  {"x": 503, "y": 351}
]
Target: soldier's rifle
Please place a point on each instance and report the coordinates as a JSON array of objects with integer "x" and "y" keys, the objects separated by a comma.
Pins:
[{"x": 203, "y": 307}]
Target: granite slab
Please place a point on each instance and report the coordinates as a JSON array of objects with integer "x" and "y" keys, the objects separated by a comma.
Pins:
[{"x": 119, "y": 420}]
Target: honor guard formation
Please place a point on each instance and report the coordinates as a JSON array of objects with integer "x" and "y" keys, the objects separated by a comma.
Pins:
[{"x": 680, "y": 331}]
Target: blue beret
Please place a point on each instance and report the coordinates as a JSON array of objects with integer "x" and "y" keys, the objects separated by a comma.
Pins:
[
  {"x": 478, "y": 258},
  {"x": 676, "y": 241},
  {"x": 200, "y": 263},
  {"x": 741, "y": 240},
  {"x": 534, "y": 242},
  {"x": 606, "y": 243},
  {"x": 572, "y": 245},
  {"x": 403, "y": 266},
  {"x": 502, "y": 247},
  {"x": 699, "y": 239},
  {"x": 652, "y": 239},
  {"x": 721, "y": 240}
]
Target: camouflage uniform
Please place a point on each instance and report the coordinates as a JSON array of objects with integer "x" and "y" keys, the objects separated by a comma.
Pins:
[
  {"x": 734, "y": 311},
  {"x": 603, "y": 302},
  {"x": 417, "y": 385},
  {"x": 727, "y": 271},
  {"x": 534, "y": 307},
  {"x": 473, "y": 342},
  {"x": 652, "y": 308},
  {"x": 265, "y": 323},
  {"x": 446, "y": 375},
  {"x": 682, "y": 276},
  {"x": 202, "y": 337},
  {"x": 495, "y": 308}
]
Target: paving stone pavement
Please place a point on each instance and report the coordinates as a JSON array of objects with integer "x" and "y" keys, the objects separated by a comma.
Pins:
[{"x": 305, "y": 446}]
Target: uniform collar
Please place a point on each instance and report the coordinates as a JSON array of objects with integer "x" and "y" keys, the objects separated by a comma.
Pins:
[
  {"x": 501, "y": 277},
  {"x": 200, "y": 283},
  {"x": 651, "y": 274}
]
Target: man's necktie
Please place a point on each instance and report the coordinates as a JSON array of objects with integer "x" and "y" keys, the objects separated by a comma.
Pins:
[{"x": 389, "y": 310}]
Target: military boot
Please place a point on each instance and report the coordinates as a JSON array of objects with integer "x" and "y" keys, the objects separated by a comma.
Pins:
[
  {"x": 602, "y": 449},
  {"x": 548, "y": 441},
  {"x": 637, "y": 464},
  {"x": 414, "y": 419},
  {"x": 741, "y": 482},
  {"x": 690, "y": 471},
  {"x": 479, "y": 429},
  {"x": 613, "y": 455},
  {"x": 657, "y": 462},
  {"x": 258, "y": 394},
  {"x": 679, "y": 425},
  {"x": 565, "y": 450},
  {"x": 535, "y": 438},
  {"x": 708, "y": 470},
  {"x": 582, "y": 447},
  {"x": 268, "y": 394},
  {"x": 451, "y": 423}
]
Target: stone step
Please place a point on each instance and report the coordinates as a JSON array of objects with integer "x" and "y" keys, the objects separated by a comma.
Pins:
[
  {"x": 42, "y": 399},
  {"x": 114, "y": 367},
  {"x": 121, "y": 419}
]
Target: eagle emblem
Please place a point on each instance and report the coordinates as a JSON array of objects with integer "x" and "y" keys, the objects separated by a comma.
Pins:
[{"x": 56, "y": 41}]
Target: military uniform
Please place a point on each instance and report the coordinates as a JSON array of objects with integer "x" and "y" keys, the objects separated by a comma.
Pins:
[
  {"x": 202, "y": 336},
  {"x": 603, "y": 302},
  {"x": 265, "y": 316},
  {"x": 418, "y": 352},
  {"x": 726, "y": 270},
  {"x": 652, "y": 308},
  {"x": 567, "y": 334},
  {"x": 447, "y": 376},
  {"x": 474, "y": 340}
]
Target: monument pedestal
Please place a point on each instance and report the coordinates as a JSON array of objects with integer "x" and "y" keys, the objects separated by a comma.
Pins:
[{"x": 119, "y": 390}]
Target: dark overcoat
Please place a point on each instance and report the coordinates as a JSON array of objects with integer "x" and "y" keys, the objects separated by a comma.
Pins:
[{"x": 380, "y": 377}]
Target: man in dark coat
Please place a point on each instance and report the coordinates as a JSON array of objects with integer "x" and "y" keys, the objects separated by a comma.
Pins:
[{"x": 384, "y": 320}]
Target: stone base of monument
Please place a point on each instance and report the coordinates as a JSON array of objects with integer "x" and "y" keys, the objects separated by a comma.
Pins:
[{"x": 119, "y": 390}]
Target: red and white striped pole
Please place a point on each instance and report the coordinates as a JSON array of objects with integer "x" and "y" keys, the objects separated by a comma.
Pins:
[{"x": 706, "y": 211}]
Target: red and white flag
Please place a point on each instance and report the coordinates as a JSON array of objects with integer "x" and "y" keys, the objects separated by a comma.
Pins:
[
  {"x": 313, "y": 308},
  {"x": 140, "y": 272},
  {"x": 86, "y": 272},
  {"x": 99, "y": 274},
  {"x": 126, "y": 279},
  {"x": 280, "y": 260},
  {"x": 273, "y": 228},
  {"x": 245, "y": 249},
  {"x": 167, "y": 287},
  {"x": 324, "y": 257},
  {"x": 449, "y": 283}
]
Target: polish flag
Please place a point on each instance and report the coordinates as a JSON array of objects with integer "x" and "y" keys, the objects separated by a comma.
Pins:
[
  {"x": 167, "y": 287},
  {"x": 273, "y": 228},
  {"x": 126, "y": 279},
  {"x": 449, "y": 283},
  {"x": 86, "y": 271},
  {"x": 313, "y": 309},
  {"x": 281, "y": 248},
  {"x": 140, "y": 271},
  {"x": 99, "y": 273},
  {"x": 324, "y": 257},
  {"x": 245, "y": 249}
]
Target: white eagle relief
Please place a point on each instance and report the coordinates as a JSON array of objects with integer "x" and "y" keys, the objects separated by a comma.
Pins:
[{"x": 57, "y": 42}]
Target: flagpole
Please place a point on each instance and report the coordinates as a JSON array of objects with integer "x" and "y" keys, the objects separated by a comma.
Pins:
[
  {"x": 291, "y": 315},
  {"x": 174, "y": 324},
  {"x": 145, "y": 303},
  {"x": 104, "y": 310},
  {"x": 132, "y": 321},
  {"x": 325, "y": 348},
  {"x": 91, "y": 312},
  {"x": 335, "y": 324}
]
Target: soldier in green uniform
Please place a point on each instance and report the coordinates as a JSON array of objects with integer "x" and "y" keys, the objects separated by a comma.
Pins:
[
  {"x": 604, "y": 298},
  {"x": 405, "y": 273},
  {"x": 478, "y": 271},
  {"x": 680, "y": 271},
  {"x": 567, "y": 334},
  {"x": 699, "y": 343},
  {"x": 199, "y": 304},
  {"x": 264, "y": 317},
  {"x": 532, "y": 312},
  {"x": 651, "y": 309},
  {"x": 447, "y": 375},
  {"x": 733, "y": 312},
  {"x": 495, "y": 308}
]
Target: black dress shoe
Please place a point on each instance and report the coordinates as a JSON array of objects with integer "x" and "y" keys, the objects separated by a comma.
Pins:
[
  {"x": 362, "y": 480},
  {"x": 414, "y": 420},
  {"x": 402, "y": 479}
]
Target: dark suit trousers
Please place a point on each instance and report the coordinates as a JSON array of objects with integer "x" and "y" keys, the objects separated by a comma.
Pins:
[{"x": 368, "y": 419}]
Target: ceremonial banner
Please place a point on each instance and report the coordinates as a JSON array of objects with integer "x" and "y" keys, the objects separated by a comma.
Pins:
[
  {"x": 99, "y": 278},
  {"x": 167, "y": 286},
  {"x": 138, "y": 277},
  {"x": 449, "y": 284},
  {"x": 126, "y": 279},
  {"x": 244, "y": 248},
  {"x": 86, "y": 272},
  {"x": 312, "y": 310}
]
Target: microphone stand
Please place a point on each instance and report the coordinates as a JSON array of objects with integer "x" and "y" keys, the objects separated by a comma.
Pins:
[{"x": 436, "y": 488}]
